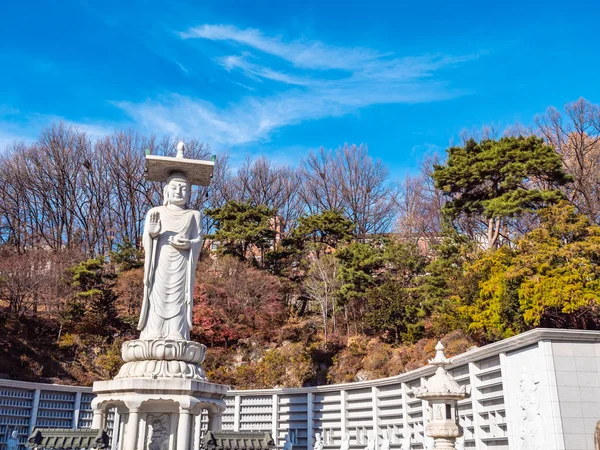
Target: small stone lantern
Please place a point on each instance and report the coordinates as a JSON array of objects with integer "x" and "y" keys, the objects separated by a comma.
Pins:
[{"x": 442, "y": 392}]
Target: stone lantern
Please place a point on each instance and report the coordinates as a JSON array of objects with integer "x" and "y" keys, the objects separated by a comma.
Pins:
[{"x": 441, "y": 391}]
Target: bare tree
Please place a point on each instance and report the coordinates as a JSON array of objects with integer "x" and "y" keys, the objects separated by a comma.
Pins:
[
  {"x": 420, "y": 204},
  {"x": 23, "y": 279},
  {"x": 575, "y": 134},
  {"x": 14, "y": 223},
  {"x": 350, "y": 181},
  {"x": 123, "y": 154},
  {"x": 262, "y": 183},
  {"x": 321, "y": 284}
]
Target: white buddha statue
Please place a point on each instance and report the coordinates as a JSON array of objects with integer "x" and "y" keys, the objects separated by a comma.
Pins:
[{"x": 172, "y": 243}]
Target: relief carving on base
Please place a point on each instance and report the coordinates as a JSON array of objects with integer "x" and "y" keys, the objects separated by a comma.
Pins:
[
  {"x": 532, "y": 429},
  {"x": 159, "y": 431}
]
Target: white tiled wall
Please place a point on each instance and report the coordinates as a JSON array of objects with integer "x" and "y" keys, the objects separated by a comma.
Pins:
[
  {"x": 567, "y": 390},
  {"x": 577, "y": 370}
]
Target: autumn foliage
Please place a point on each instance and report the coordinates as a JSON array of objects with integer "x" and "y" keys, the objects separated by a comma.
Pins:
[
  {"x": 327, "y": 272},
  {"x": 234, "y": 301}
]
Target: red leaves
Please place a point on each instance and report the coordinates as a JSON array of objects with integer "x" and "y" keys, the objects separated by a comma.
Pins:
[{"x": 236, "y": 301}]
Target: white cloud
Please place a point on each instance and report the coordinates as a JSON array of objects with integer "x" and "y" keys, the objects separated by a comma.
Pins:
[
  {"x": 260, "y": 72},
  {"x": 301, "y": 86},
  {"x": 302, "y": 53},
  {"x": 8, "y": 138},
  {"x": 254, "y": 119},
  {"x": 29, "y": 127}
]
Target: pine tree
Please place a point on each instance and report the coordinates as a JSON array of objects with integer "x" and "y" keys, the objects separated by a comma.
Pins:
[
  {"x": 496, "y": 180},
  {"x": 94, "y": 285},
  {"x": 241, "y": 226}
]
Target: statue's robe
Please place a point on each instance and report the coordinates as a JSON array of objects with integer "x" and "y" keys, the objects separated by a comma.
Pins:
[{"x": 169, "y": 275}]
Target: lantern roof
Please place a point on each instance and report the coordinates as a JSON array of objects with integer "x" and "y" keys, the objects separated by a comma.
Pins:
[{"x": 442, "y": 385}]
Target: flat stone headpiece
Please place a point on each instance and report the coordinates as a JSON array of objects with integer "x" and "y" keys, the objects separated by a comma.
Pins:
[{"x": 160, "y": 168}]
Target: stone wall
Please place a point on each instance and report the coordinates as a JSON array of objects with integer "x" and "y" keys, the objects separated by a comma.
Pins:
[{"x": 540, "y": 389}]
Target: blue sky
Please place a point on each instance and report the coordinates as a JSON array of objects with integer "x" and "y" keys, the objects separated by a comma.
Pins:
[{"x": 283, "y": 77}]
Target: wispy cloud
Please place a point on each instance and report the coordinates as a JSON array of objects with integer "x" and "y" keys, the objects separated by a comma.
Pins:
[
  {"x": 27, "y": 129},
  {"x": 260, "y": 72},
  {"x": 304, "y": 80},
  {"x": 304, "y": 53},
  {"x": 254, "y": 119}
]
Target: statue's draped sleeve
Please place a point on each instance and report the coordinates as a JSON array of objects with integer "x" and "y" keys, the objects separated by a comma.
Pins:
[
  {"x": 195, "y": 248},
  {"x": 149, "y": 244}
]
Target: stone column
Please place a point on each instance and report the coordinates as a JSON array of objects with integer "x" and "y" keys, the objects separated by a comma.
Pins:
[
  {"x": 97, "y": 419},
  {"x": 309, "y": 421},
  {"x": 98, "y": 414},
  {"x": 236, "y": 413},
  {"x": 375, "y": 412},
  {"x": 183, "y": 430},
  {"x": 34, "y": 409},
  {"x": 197, "y": 426},
  {"x": 76, "y": 410},
  {"x": 275, "y": 419},
  {"x": 214, "y": 421},
  {"x": 131, "y": 430}
]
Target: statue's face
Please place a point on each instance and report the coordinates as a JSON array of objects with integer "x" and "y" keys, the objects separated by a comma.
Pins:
[{"x": 178, "y": 192}]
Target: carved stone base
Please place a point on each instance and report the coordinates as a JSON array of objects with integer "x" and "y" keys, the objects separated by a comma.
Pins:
[
  {"x": 163, "y": 350},
  {"x": 162, "y": 358},
  {"x": 443, "y": 429},
  {"x": 162, "y": 369},
  {"x": 158, "y": 414}
]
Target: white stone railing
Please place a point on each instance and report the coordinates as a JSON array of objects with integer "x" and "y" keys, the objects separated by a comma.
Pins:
[{"x": 543, "y": 385}]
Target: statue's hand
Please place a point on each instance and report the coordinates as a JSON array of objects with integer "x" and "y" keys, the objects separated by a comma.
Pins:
[
  {"x": 153, "y": 226},
  {"x": 179, "y": 242}
]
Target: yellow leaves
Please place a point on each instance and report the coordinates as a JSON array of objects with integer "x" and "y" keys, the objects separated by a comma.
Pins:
[
  {"x": 486, "y": 313},
  {"x": 286, "y": 366},
  {"x": 552, "y": 278},
  {"x": 68, "y": 340},
  {"x": 567, "y": 288}
]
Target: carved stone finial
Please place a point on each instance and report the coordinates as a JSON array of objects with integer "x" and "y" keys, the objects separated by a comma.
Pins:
[
  {"x": 440, "y": 358},
  {"x": 180, "y": 149}
]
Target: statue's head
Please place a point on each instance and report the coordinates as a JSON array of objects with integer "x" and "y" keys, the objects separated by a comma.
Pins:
[
  {"x": 15, "y": 434},
  {"x": 177, "y": 190}
]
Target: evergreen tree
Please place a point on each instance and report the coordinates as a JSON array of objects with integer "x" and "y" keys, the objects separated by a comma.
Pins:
[
  {"x": 495, "y": 180},
  {"x": 558, "y": 266},
  {"x": 359, "y": 264},
  {"x": 94, "y": 285},
  {"x": 241, "y": 226},
  {"x": 395, "y": 306},
  {"x": 327, "y": 229},
  {"x": 445, "y": 285},
  {"x": 315, "y": 233},
  {"x": 551, "y": 279},
  {"x": 127, "y": 256}
]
